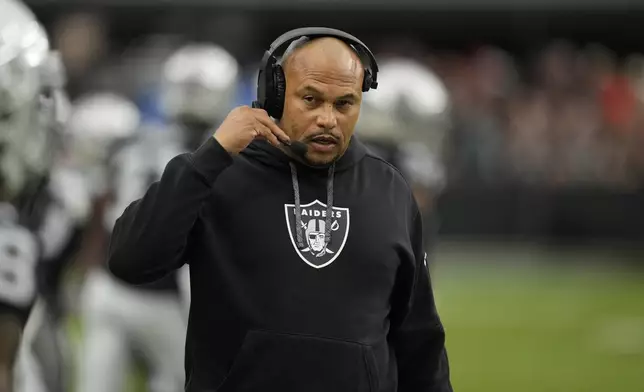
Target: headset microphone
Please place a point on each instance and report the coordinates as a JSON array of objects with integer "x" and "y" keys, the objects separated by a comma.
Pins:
[{"x": 298, "y": 148}]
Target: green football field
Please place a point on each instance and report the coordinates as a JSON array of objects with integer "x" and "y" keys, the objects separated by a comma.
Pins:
[{"x": 528, "y": 319}]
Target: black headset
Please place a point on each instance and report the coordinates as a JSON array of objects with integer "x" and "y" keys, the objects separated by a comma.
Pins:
[{"x": 271, "y": 82}]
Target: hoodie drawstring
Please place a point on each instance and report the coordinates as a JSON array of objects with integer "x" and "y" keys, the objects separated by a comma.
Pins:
[{"x": 298, "y": 210}]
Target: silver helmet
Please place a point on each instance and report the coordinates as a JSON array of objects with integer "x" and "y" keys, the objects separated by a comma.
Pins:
[
  {"x": 199, "y": 84},
  {"x": 98, "y": 123},
  {"x": 409, "y": 115},
  {"x": 411, "y": 104},
  {"x": 32, "y": 102}
]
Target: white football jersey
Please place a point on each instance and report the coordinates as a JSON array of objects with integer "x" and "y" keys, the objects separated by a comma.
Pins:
[
  {"x": 136, "y": 166},
  {"x": 19, "y": 253},
  {"x": 38, "y": 232}
]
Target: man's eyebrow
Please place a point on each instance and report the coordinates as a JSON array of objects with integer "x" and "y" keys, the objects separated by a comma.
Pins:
[
  {"x": 350, "y": 96},
  {"x": 310, "y": 89}
]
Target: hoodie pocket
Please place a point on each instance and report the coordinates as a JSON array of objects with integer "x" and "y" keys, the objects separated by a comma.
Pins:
[{"x": 270, "y": 361}]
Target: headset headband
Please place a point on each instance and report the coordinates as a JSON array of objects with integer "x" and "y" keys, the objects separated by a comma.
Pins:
[
  {"x": 282, "y": 42},
  {"x": 270, "y": 81}
]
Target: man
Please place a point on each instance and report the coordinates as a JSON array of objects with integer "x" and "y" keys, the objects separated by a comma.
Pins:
[
  {"x": 405, "y": 122},
  {"x": 117, "y": 319},
  {"x": 149, "y": 319},
  {"x": 120, "y": 320},
  {"x": 307, "y": 273},
  {"x": 38, "y": 230}
]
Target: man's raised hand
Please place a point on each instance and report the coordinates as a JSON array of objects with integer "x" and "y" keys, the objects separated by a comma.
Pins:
[{"x": 243, "y": 125}]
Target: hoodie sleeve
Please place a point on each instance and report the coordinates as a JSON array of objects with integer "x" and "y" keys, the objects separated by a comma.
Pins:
[
  {"x": 418, "y": 338},
  {"x": 149, "y": 239}
]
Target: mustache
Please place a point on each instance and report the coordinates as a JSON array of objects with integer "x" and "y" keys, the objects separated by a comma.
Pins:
[{"x": 324, "y": 134}]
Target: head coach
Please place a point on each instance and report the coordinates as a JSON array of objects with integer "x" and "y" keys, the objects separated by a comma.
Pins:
[{"x": 308, "y": 270}]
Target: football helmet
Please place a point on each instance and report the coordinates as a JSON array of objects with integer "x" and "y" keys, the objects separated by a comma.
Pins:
[
  {"x": 99, "y": 124},
  {"x": 410, "y": 104},
  {"x": 406, "y": 120},
  {"x": 199, "y": 84},
  {"x": 33, "y": 106}
]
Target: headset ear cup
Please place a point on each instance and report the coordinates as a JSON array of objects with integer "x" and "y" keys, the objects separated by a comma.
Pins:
[
  {"x": 280, "y": 91},
  {"x": 366, "y": 81}
]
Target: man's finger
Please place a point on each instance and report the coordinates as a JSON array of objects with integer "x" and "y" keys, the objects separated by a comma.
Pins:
[
  {"x": 267, "y": 134},
  {"x": 274, "y": 128},
  {"x": 260, "y": 112}
]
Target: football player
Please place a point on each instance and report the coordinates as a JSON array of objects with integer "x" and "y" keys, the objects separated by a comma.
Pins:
[
  {"x": 197, "y": 91},
  {"x": 37, "y": 225},
  {"x": 405, "y": 121}
]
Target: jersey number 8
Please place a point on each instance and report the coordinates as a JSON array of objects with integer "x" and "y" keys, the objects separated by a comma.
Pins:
[{"x": 18, "y": 257}]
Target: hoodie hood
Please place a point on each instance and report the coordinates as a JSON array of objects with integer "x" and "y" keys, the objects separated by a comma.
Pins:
[{"x": 271, "y": 155}]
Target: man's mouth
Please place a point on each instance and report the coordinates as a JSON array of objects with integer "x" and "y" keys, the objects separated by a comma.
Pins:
[
  {"x": 324, "y": 140},
  {"x": 323, "y": 144}
]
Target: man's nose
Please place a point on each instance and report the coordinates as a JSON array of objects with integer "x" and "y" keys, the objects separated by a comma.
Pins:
[{"x": 326, "y": 117}]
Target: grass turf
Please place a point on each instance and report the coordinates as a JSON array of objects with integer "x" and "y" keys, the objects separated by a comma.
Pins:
[{"x": 526, "y": 320}]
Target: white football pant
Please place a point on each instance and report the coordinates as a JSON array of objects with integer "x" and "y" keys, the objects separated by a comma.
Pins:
[
  {"x": 42, "y": 363},
  {"x": 119, "y": 319}
]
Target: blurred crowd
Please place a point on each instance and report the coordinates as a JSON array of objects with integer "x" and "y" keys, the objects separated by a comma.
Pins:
[{"x": 565, "y": 117}]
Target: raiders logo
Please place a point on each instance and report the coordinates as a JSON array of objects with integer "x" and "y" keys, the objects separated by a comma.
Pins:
[{"x": 315, "y": 251}]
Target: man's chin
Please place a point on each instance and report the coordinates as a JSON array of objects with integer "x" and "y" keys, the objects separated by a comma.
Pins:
[{"x": 317, "y": 159}]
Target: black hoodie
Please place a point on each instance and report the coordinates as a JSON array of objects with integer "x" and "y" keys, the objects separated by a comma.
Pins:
[{"x": 285, "y": 296}]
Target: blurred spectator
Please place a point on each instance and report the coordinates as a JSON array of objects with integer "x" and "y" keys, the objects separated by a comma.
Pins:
[
  {"x": 575, "y": 122},
  {"x": 82, "y": 41}
]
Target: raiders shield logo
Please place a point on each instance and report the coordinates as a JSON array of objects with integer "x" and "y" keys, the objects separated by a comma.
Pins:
[{"x": 314, "y": 252}]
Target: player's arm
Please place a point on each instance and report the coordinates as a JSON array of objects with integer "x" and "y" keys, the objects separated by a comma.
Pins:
[
  {"x": 150, "y": 237},
  {"x": 417, "y": 333}
]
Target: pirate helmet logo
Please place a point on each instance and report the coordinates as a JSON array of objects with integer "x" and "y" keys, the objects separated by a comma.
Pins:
[
  {"x": 316, "y": 236},
  {"x": 318, "y": 250}
]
